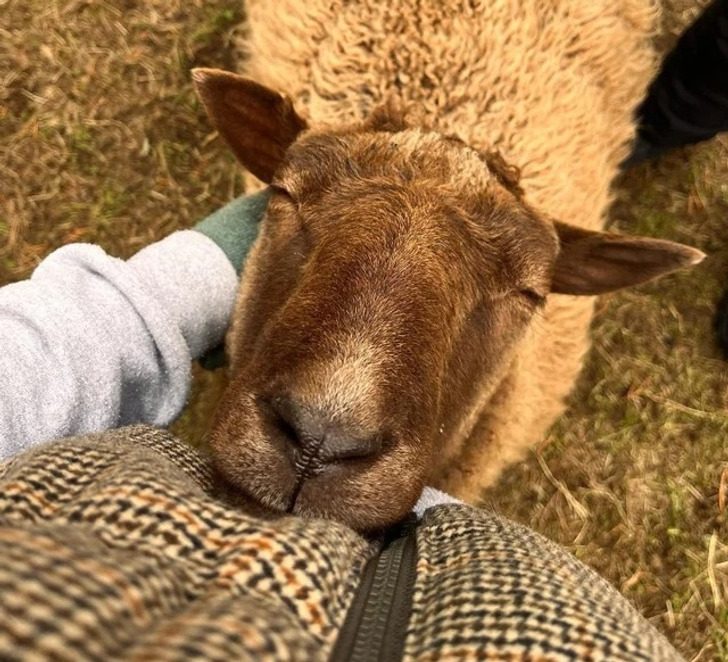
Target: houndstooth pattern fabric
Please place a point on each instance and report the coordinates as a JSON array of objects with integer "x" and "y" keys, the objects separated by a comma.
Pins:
[
  {"x": 489, "y": 589},
  {"x": 117, "y": 547},
  {"x": 113, "y": 547}
]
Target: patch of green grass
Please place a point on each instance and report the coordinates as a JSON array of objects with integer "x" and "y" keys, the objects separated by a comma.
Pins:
[
  {"x": 113, "y": 202},
  {"x": 215, "y": 21},
  {"x": 83, "y": 151},
  {"x": 81, "y": 140},
  {"x": 9, "y": 263},
  {"x": 655, "y": 223},
  {"x": 209, "y": 41}
]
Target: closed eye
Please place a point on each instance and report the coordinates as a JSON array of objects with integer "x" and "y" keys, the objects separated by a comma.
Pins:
[
  {"x": 532, "y": 296},
  {"x": 279, "y": 190}
]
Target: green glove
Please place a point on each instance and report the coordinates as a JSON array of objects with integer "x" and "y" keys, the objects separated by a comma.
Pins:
[{"x": 234, "y": 227}]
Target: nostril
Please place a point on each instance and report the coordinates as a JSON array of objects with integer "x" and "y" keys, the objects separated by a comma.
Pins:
[
  {"x": 317, "y": 435},
  {"x": 285, "y": 416},
  {"x": 289, "y": 432},
  {"x": 348, "y": 446}
]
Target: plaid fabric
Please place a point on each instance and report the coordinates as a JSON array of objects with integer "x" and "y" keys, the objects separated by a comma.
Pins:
[
  {"x": 489, "y": 589},
  {"x": 115, "y": 546},
  {"x": 112, "y": 547}
]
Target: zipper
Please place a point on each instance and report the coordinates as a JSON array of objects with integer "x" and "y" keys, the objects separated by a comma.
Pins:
[{"x": 376, "y": 624}]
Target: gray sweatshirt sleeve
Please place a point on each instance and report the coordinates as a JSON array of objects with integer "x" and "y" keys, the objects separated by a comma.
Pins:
[{"x": 92, "y": 342}]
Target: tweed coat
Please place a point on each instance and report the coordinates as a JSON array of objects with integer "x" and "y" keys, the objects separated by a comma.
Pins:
[{"x": 122, "y": 546}]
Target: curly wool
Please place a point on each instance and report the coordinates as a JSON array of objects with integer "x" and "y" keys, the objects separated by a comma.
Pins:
[{"x": 551, "y": 85}]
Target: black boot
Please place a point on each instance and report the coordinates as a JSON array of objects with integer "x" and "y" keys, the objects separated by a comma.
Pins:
[{"x": 688, "y": 100}]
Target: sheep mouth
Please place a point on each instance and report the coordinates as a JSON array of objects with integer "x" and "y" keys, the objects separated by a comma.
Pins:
[
  {"x": 256, "y": 459},
  {"x": 342, "y": 492},
  {"x": 305, "y": 470}
]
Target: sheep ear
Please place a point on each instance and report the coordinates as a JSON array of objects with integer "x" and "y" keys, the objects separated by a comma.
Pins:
[
  {"x": 597, "y": 262},
  {"x": 258, "y": 123}
]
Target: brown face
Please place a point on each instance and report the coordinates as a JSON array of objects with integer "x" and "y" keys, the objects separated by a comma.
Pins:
[
  {"x": 395, "y": 273},
  {"x": 372, "y": 278}
]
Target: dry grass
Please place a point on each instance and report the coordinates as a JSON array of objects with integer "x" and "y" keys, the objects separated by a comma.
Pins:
[
  {"x": 635, "y": 478},
  {"x": 102, "y": 137},
  {"x": 102, "y": 140},
  {"x": 631, "y": 479}
]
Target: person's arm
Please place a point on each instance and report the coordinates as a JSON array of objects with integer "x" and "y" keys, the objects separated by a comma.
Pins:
[{"x": 92, "y": 342}]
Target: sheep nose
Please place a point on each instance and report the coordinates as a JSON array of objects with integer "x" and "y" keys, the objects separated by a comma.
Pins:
[{"x": 317, "y": 437}]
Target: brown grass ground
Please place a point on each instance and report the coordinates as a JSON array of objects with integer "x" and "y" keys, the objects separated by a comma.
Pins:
[{"x": 102, "y": 140}]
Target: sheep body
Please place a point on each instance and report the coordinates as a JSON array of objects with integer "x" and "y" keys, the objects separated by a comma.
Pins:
[{"x": 551, "y": 85}]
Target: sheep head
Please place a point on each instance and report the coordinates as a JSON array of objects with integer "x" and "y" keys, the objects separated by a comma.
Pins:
[{"x": 395, "y": 273}]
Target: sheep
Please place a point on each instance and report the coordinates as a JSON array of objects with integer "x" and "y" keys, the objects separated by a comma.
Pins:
[{"x": 416, "y": 308}]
